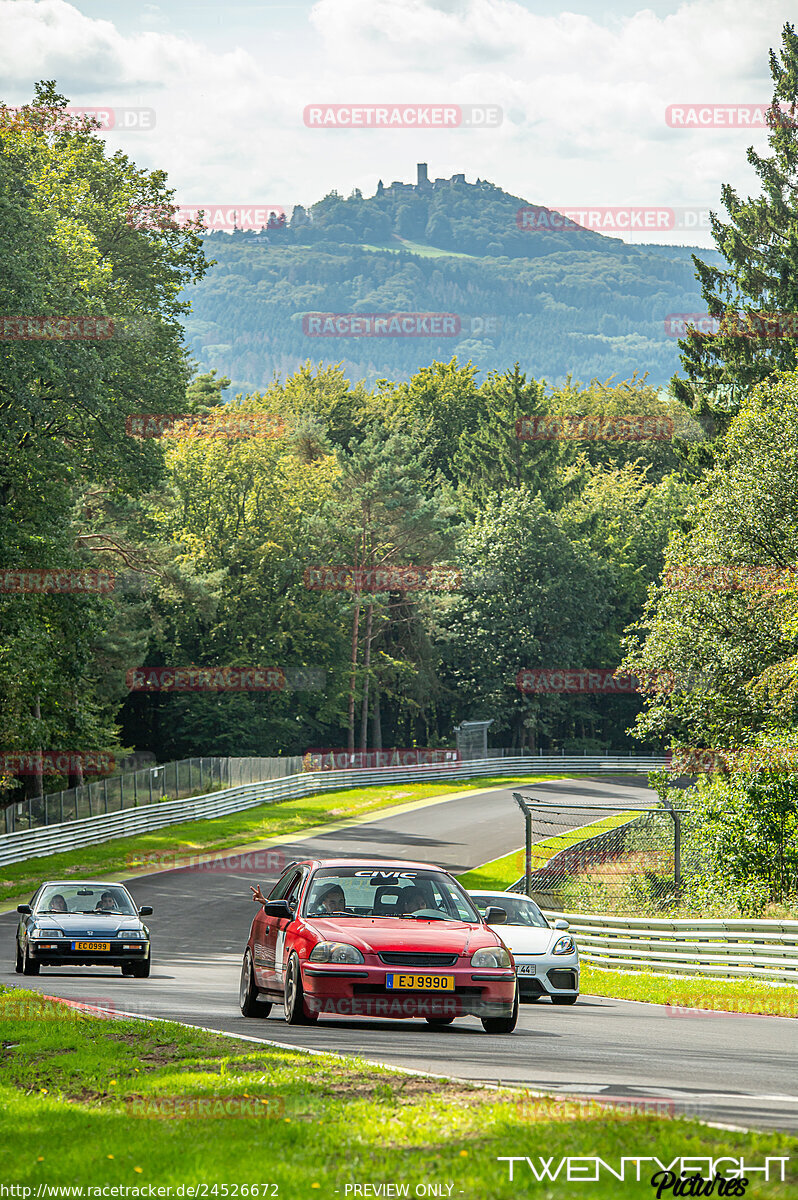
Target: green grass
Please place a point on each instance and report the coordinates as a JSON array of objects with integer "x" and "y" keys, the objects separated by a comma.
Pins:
[
  {"x": 397, "y": 244},
  {"x": 505, "y": 871},
  {"x": 267, "y": 821},
  {"x": 699, "y": 992},
  {"x": 93, "y": 1102}
]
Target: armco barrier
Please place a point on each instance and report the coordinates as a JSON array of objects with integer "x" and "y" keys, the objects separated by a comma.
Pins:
[
  {"x": 88, "y": 831},
  {"x": 691, "y": 946}
]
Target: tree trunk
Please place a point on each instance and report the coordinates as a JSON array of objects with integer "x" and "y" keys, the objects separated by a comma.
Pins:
[
  {"x": 350, "y": 743},
  {"x": 364, "y": 711},
  {"x": 376, "y": 720}
]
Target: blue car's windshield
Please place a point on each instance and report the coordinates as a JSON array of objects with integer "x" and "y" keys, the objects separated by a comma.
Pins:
[{"x": 84, "y": 898}]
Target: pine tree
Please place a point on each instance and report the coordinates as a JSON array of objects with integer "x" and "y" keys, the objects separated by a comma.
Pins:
[{"x": 755, "y": 297}]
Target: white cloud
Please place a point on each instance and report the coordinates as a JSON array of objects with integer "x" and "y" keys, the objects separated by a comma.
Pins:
[{"x": 584, "y": 101}]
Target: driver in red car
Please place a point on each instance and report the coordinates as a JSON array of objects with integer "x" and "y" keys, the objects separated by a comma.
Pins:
[{"x": 411, "y": 900}]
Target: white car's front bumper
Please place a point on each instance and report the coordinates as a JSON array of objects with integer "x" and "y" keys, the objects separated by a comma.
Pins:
[{"x": 547, "y": 975}]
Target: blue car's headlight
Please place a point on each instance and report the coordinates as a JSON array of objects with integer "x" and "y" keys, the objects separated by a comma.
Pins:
[
  {"x": 132, "y": 935},
  {"x": 46, "y": 933},
  {"x": 564, "y": 945}
]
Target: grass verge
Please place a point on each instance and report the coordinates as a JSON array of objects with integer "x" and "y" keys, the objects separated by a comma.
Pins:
[
  {"x": 702, "y": 994},
  {"x": 505, "y": 871},
  {"x": 279, "y": 820},
  {"x": 134, "y": 1105}
]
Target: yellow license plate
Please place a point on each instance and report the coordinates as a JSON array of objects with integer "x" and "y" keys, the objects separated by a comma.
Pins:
[
  {"x": 91, "y": 945},
  {"x": 423, "y": 983}
]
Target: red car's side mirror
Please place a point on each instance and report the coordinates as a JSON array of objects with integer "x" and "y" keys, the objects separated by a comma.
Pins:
[{"x": 278, "y": 908}]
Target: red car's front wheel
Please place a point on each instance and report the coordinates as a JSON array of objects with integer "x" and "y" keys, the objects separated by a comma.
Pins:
[{"x": 296, "y": 1012}]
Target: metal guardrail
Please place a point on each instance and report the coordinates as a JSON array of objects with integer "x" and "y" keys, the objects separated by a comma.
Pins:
[
  {"x": 691, "y": 946},
  {"x": 177, "y": 780},
  {"x": 88, "y": 831}
]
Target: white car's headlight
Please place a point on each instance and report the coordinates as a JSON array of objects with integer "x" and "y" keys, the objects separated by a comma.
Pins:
[
  {"x": 492, "y": 956},
  {"x": 335, "y": 952},
  {"x": 46, "y": 933},
  {"x": 564, "y": 945}
]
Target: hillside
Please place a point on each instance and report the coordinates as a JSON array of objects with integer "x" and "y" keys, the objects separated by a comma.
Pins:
[{"x": 558, "y": 302}]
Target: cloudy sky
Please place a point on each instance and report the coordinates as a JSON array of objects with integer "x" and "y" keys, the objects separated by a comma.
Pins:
[{"x": 583, "y": 91}]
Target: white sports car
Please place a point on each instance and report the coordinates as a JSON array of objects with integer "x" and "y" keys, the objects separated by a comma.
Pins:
[{"x": 546, "y": 957}]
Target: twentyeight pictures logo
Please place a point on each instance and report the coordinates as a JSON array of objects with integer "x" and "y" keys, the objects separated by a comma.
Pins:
[{"x": 402, "y": 116}]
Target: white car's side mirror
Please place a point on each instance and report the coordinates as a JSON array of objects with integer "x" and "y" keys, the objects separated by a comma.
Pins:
[{"x": 561, "y": 924}]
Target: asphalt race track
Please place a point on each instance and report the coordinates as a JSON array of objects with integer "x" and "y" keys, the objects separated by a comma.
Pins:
[{"x": 738, "y": 1070}]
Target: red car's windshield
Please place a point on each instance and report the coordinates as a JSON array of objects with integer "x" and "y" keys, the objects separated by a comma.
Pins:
[{"x": 367, "y": 891}]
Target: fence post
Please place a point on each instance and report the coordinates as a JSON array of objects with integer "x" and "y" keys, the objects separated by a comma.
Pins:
[
  {"x": 62, "y": 806},
  {"x": 522, "y": 804},
  {"x": 190, "y": 761},
  {"x": 177, "y": 779},
  {"x": 105, "y": 795},
  {"x": 677, "y": 844},
  {"x": 135, "y": 789}
]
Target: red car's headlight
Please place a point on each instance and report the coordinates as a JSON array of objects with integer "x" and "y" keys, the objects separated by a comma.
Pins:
[{"x": 335, "y": 952}]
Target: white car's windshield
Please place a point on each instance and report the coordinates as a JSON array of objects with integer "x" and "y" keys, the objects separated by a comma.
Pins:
[
  {"x": 520, "y": 910},
  {"x": 84, "y": 898},
  {"x": 369, "y": 891}
]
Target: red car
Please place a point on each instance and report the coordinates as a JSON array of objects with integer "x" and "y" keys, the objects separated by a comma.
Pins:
[{"x": 349, "y": 937}]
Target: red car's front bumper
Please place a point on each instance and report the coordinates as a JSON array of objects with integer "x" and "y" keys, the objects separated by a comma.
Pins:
[{"x": 362, "y": 991}]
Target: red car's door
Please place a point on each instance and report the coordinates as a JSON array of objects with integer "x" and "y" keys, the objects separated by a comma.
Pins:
[{"x": 269, "y": 947}]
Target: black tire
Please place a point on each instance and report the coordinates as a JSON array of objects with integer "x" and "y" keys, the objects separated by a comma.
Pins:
[
  {"x": 127, "y": 968},
  {"x": 18, "y": 959},
  {"x": 438, "y": 1022},
  {"x": 140, "y": 970},
  {"x": 248, "y": 998},
  {"x": 28, "y": 967},
  {"x": 564, "y": 999},
  {"x": 294, "y": 997},
  {"x": 530, "y": 999},
  {"x": 502, "y": 1024}
]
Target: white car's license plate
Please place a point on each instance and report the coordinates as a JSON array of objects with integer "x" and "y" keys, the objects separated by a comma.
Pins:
[{"x": 526, "y": 968}]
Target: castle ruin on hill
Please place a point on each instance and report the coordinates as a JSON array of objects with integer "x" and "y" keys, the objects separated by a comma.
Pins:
[{"x": 423, "y": 183}]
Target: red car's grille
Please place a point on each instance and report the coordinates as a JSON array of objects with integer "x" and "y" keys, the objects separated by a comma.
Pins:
[{"x": 416, "y": 958}]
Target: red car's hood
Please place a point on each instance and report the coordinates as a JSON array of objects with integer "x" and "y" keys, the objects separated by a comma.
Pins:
[{"x": 393, "y": 933}]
